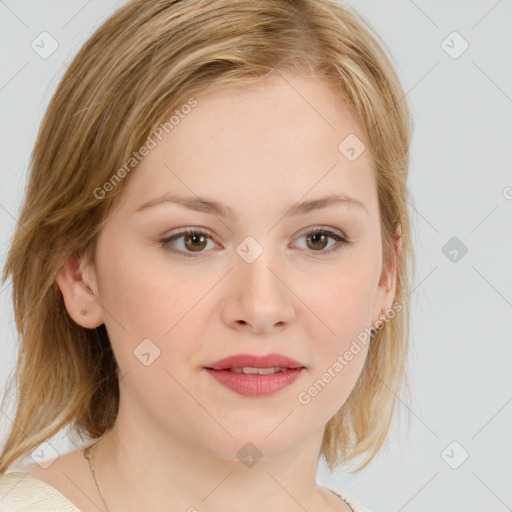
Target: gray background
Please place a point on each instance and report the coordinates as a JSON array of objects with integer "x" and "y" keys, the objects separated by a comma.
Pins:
[{"x": 461, "y": 179}]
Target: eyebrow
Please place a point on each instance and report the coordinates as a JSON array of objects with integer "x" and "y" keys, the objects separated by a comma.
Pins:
[{"x": 205, "y": 205}]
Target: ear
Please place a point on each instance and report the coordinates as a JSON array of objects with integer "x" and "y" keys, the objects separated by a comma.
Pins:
[
  {"x": 81, "y": 302},
  {"x": 387, "y": 284}
]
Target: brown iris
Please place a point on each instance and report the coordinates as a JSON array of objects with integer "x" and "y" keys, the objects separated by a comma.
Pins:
[
  {"x": 195, "y": 239},
  {"x": 318, "y": 238}
]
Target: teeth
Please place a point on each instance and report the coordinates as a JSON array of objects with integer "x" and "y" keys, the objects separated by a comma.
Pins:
[{"x": 260, "y": 371}]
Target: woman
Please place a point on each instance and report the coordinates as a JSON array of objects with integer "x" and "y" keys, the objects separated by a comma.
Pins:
[{"x": 210, "y": 274}]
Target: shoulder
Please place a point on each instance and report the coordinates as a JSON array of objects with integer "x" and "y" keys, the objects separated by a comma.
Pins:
[
  {"x": 63, "y": 486},
  {"x": 21, "y": 492}
]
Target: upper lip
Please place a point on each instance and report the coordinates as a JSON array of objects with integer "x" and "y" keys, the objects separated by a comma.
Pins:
[{"x": 255, "y": 361}]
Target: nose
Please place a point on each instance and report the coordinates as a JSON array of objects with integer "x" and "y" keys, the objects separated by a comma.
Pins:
[{"x": 258, "y": 295}]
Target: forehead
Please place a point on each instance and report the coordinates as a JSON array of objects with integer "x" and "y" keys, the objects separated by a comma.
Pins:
[{"x": 274, "y": 141}]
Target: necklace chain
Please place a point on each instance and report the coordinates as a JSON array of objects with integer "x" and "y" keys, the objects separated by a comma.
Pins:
[{"x": 88, "y": 459}]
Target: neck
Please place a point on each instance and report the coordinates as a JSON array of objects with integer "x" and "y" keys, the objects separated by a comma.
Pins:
[{"x": 141, "y": 466}]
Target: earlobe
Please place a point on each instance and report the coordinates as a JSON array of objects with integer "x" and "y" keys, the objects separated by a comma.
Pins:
[{"x": 81, "y": 303}]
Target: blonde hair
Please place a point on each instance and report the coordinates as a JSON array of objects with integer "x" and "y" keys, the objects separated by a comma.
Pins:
[{"x": 146, "y": 60}]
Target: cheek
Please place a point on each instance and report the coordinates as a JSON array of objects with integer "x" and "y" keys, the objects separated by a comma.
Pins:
[
  {"x": 325, "y": 392},
  {"x": 338, "y": 352},
  {"x": 146, "y": 294},
  {"x": 340, "y": 329},
  {"x": 146, "y": 310},
  {"x": 342, "y": 299}
]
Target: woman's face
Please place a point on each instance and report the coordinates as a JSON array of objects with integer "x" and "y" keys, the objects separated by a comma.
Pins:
[{"x": 254, "y": 281}]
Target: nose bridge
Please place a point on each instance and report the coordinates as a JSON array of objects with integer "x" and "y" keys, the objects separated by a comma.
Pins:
[
  {"x": 257, "y": 267},
  {"x": 260, "y": 293}
]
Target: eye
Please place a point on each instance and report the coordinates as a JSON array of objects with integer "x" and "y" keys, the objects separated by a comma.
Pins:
[
  {"x": 318, "y": 240},
  {"x": 195, "y": 241}
]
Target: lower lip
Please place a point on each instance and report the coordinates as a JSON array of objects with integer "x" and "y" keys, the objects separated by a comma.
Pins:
[{"x": 253, "y": 384}]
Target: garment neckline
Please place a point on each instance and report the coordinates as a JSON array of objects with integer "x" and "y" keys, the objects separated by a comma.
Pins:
[
  {"x": 42, "y": 483},
  {"x": 344, "y": 498}
]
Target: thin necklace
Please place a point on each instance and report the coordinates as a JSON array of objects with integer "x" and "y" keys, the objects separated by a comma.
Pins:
[{"x": 88, "y": 459}]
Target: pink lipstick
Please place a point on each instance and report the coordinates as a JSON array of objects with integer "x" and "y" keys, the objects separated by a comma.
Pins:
[{"x": 253, "y": 375}]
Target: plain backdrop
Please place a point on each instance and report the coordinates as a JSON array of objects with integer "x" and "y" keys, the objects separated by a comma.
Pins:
[{"x": 455, "y": 62}]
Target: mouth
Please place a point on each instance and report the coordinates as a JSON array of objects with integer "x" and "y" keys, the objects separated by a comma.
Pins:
[{"x": 256, "y": 375}]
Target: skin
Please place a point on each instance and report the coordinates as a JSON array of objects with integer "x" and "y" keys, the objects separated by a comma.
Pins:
[{"x": 259, "y": 150}]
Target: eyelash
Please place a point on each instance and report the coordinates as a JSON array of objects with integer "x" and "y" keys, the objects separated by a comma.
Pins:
[{"x": 341, "y": 242}]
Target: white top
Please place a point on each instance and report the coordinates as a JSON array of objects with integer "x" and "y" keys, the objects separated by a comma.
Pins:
[{"x": 21, "y": 492}]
